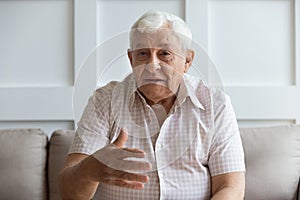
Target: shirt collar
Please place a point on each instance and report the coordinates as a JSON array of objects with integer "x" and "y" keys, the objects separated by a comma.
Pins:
[{"x": 187, "y": 90}]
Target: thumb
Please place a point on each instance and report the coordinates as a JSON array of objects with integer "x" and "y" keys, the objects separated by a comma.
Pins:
[{"x": 122, "y": 138}]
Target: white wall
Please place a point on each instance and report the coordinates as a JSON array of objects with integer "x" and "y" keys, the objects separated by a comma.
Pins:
[
  {"x": 36, "y": 64},
  {"x": 255, "y": 45}
]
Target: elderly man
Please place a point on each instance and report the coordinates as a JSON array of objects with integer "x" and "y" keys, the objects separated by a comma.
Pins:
[{"x": 160, "y": 133}]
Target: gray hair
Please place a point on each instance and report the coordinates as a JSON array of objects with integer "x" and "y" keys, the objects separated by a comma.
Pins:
[{"x": 151, "y": 21}]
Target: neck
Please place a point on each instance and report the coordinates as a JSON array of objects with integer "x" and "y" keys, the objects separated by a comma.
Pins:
[{"x": 167, "y": 103}]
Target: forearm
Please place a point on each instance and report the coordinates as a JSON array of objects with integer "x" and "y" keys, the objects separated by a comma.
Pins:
[
  {"x": 75, "y": 182},
  {"x": 228, "y": 193}
]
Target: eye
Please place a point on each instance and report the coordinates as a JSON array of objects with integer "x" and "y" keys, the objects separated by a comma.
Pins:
[
  {"x": 165, "y": 53},
  {"x": 142, "y": 54}
]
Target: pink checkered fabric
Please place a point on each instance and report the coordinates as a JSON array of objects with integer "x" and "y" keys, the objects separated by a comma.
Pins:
[{"x": 199, "y": 138}]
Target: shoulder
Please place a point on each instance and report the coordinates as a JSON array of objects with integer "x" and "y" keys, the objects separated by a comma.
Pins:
[
  {"x": 203, "y": 92},
  {"x": 106, "y": 89},
  {"x": 103, "y": 94},
  {"x": 113, "y": 89},
  {"x": 212, "y": 99}
]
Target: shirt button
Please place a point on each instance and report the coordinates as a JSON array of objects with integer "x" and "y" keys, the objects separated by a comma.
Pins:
[{"x": 158, "y": 146}]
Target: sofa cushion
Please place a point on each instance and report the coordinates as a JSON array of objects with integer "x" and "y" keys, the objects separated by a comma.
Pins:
[
  {"x": 58, "y": 149},
  {"x": 272, "y": 162},
  {"x": 23, "y": 164}
]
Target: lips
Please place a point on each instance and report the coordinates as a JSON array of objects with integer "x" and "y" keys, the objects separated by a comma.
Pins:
[{"x": 153, "y": 80}]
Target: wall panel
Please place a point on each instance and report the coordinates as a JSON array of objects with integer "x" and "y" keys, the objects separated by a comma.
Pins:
[
  {"x": 36, "y": 64},
  {"x": 255, "y": 45},
  {"x": 253, "y": 41},
  {"x": 36, "y": 40}
]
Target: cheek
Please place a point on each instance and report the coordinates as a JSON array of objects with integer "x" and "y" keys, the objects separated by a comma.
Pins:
[
  {"x": 174, "y": 69},
  {"x": 138, "y": 71},
  {"x": 136, "y": 63},
  {"x": 180, "y": 67},
  {"x": 178, "y": 64}
]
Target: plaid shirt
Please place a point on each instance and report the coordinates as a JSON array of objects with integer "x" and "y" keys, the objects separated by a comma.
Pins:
[{"x": 199, "y": 138}]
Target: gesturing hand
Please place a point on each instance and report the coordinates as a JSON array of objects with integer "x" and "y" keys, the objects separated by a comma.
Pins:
[{"x": 116, "y": 169}]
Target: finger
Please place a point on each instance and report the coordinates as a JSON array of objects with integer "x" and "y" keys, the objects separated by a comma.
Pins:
[
  {"x": 117, "y": 174},
  {"x": 122, "y": 138},
  {"x": 131, "y": 165},
  {"x": 127, "y": 184},
  {"x": 127, "y": 152},
  {"x": 134, "y": 150}
]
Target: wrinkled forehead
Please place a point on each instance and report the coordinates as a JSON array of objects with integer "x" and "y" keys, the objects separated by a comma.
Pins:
[{"x": 162, "y": 38}]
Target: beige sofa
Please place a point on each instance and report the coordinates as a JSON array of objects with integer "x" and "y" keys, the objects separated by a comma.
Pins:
[{"x": 30, "y": 163}]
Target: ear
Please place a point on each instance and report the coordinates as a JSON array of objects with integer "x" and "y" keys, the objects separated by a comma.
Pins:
[
  {"x": 129, "y": 54},
  {"x": 188, "y": 60}
]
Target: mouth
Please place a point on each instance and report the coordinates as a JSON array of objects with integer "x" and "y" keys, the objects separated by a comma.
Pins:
[{"x": 154, "y": 81}]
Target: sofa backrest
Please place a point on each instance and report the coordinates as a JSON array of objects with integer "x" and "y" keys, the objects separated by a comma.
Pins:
[
  {"x": 272, "y": 158},
  {"x": 23, "y": 156},
  {"x": 58, "y": 148}
]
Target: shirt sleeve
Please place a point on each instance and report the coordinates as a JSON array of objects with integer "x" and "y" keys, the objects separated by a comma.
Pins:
[
  {"x": 93, "y": 129},
  {"x": 226, "y": 152}
]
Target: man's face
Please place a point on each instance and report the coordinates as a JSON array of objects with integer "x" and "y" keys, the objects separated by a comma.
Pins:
[{"x": 158, "y": 62}]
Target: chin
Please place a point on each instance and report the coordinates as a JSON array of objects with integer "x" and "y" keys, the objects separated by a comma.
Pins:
[{"x": 155, "y": 92}]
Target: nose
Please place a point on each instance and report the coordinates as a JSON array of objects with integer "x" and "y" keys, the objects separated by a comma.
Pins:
[{"x": 153, "y": 65}]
